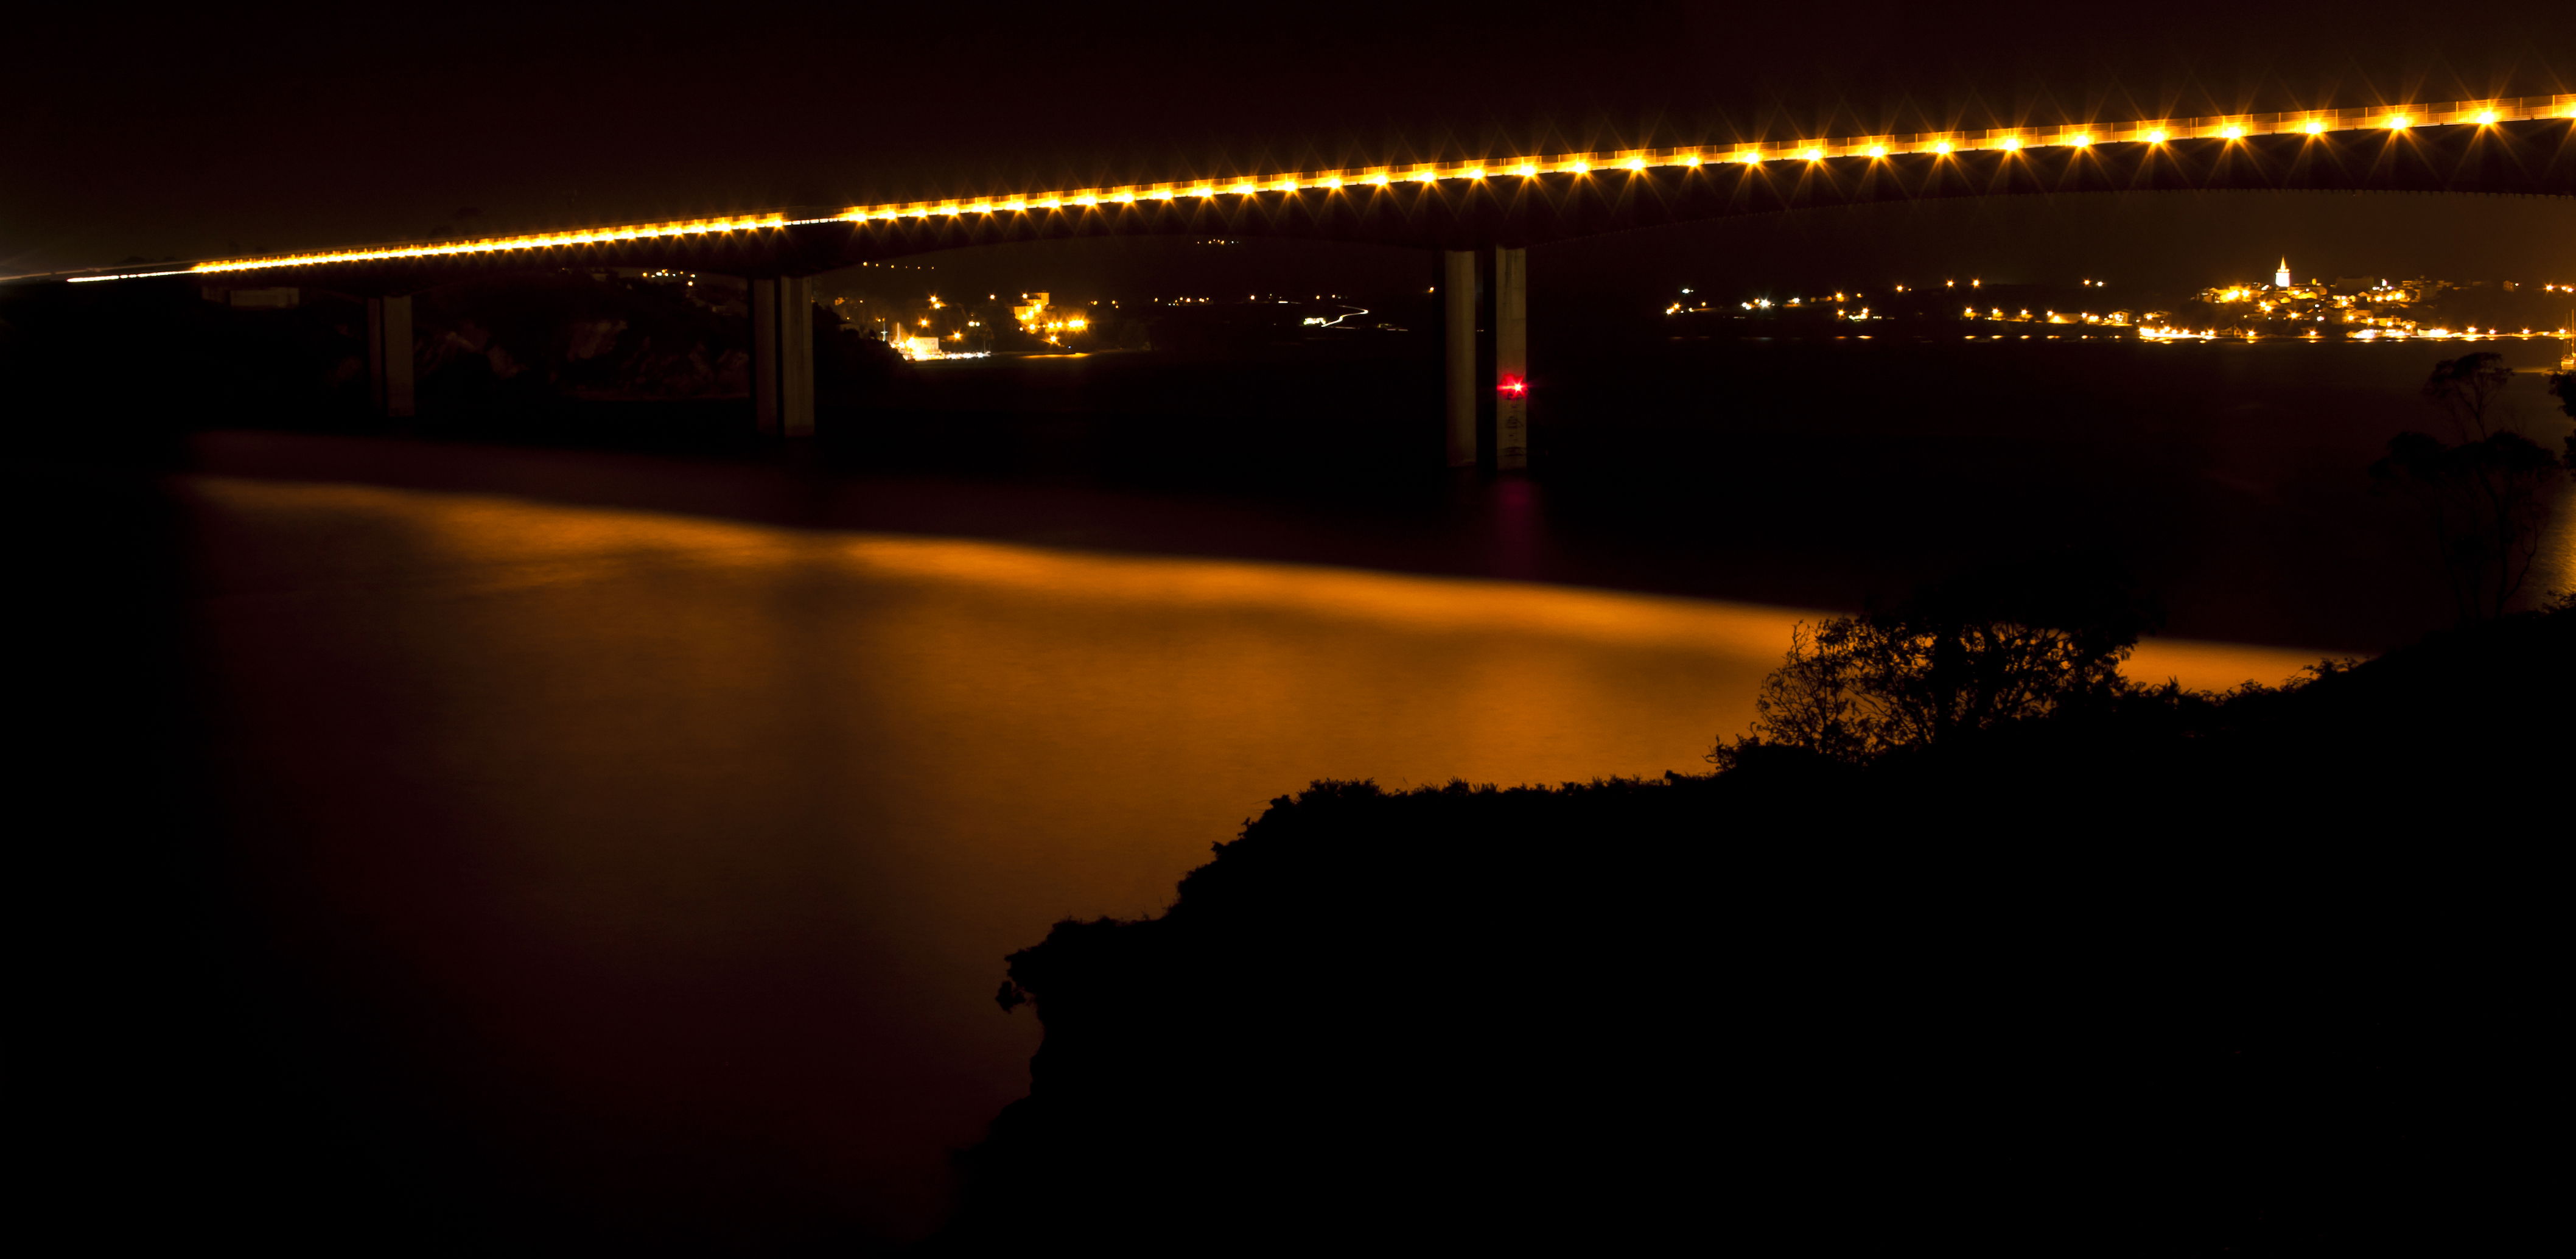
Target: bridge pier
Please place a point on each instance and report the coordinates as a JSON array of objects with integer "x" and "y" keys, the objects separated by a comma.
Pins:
[
  {"x": 1485, "y": 355},
  {"x": 1458, "y": 351},
  {"x": 782, "y": 355},
  {"x": 389, "y": 355},
  {"x": 1511, "y": 359}
]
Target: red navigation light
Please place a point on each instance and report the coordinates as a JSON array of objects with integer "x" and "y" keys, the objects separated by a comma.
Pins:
[{"x": 1514, "y": 386}]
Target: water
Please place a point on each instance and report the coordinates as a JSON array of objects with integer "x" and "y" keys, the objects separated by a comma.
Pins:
[
  {"x": 698, "y": 845},
  {"x": 650, "y": 833}
]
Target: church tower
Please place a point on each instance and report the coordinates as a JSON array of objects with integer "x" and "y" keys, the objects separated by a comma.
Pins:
[{"x": 2281, "y": 278}]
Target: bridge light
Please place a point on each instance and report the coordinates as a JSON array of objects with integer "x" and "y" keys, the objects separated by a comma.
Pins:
[
  {"x": 2232, "y": 132},
  {"x": 1749, "y": 158},
  {"x": 1427, "y": 177},
  {"x": 1245, "y": 190},
  {"x": 2486, "y": 117},
  {"x": 2012, "y": 144},
  {"x": 1815, "y": 155},
  {"x": 1331, "y": 181},
  {"x": 1635, "y": 163},
  {"x": 1472, "y": 172},
  {"x": 1203, "y": 191},
  {"x": 1127, "y": 198},
  {"x": 1878, "y": 150},
  {"x": 2080, "y": 141},
  {"x": 1579, "y": 167},
  {"x": 2314, "y": 127},
  {"x": 2399, "y": 122},
  {"x": 1525, "y": 170},
  {"x": 1940, "y": 146},
  {"x": 1379, "y": 180},
  {"x": 1692, "y": 160},
  {"x": 2156, "y": 137}
]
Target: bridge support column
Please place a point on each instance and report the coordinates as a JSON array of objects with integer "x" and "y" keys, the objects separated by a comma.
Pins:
[
  {"x": 1458, "y": 330},
  {"x": 1485, "y": 317},
  {"x": 782, "y": 355},
  {"x": 1511, "y": 359},
  {"x": 389, "y": 355}
]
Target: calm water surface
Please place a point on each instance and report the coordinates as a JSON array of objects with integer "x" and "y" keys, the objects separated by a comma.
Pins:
[{"x": 684, "y": 855}]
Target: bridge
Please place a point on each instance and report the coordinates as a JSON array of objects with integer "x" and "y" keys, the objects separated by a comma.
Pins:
[{"x": 1483, "y": 215}]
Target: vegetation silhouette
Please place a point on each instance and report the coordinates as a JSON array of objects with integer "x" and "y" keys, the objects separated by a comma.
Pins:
[
  {"x": 2005, "y": 643},
  {"x": 2157, "y": 972},
  {"x": 2485, "y": 497}
]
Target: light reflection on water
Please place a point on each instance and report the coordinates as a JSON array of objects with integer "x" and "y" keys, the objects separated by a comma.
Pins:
[{"x": 713, "y": 836}]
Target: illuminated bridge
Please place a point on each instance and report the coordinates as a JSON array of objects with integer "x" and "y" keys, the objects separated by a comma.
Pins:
[{"x": 1484, "y": 213}]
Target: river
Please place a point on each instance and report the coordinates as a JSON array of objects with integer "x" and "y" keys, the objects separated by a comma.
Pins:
[{"x": 656, "y": 846}]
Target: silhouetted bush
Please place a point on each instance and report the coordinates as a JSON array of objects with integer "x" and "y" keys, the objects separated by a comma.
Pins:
[
  {"x": 2167, "y": 974},
  {"x": 2001, "y": 644}
]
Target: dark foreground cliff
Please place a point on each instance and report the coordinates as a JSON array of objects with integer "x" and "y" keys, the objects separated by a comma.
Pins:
[{"x": 2266, "y": 976}]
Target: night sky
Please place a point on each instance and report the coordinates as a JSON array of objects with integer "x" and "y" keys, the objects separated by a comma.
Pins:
[{"x": 228, "y": 130}]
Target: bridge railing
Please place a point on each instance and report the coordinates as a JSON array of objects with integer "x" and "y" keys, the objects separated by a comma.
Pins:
[{"x": 2391, "y": 118}]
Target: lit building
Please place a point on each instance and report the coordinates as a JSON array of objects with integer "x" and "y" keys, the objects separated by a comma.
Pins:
[{"x": 2281, "y": 278}]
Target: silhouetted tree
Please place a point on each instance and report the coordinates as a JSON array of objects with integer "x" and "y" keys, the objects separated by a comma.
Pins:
[
  {"x": 2000, "y": 645},
  {"x": 2465, "y": 388},
  {"x": 2485, "y": 503},
  {"x": 2484, "y": 500}
]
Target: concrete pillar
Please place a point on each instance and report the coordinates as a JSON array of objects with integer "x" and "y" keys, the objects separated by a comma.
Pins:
[
  {"x": 782, "y": 356},
  {"x": 764, "y": 356},
  {"x": 1511, "y": 359},
  {"x": 1458, "y": 324},
  {"x": 796, "y": 356},
  {"x": 389, "y": 355}
]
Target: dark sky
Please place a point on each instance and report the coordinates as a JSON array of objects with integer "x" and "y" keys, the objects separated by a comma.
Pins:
[{"x": 241, "y": 128}]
